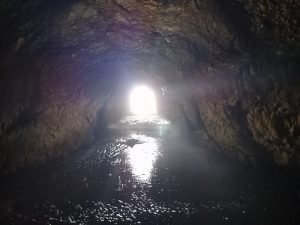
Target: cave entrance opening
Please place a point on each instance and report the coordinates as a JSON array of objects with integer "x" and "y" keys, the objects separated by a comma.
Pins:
[
  {"x": 141, "y": 111},
  {"x": 142, "y": 101}
]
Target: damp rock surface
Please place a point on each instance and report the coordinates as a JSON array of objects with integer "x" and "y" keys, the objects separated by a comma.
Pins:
[
  {"x": 228, "y": 70},
  {"x": 163, "y": 179}
]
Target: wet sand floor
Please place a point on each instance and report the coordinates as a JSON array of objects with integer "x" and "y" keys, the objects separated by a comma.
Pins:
[{"x": 147, "y": 177}]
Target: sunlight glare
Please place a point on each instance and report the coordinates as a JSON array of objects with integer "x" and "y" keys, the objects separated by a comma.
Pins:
[
  {"x": 142, "y": 158},
  {"x": 142, "y": 101}
]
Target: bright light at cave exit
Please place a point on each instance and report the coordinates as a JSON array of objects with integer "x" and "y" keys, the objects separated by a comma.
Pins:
[{"x": 142, "y": 101}]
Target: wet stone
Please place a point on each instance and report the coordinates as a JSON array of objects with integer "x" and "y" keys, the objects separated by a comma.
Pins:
[{"x": 161, "y": 179}]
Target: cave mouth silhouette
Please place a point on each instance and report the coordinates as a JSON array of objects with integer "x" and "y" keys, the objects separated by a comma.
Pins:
[{"x": 142, "y": 101}]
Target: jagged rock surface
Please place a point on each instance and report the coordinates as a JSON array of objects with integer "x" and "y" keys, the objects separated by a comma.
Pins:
[{"x": 229, "y": 68}]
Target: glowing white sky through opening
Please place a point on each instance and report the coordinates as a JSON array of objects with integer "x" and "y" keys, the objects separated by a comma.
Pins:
[{"x": 142, "y": 101}]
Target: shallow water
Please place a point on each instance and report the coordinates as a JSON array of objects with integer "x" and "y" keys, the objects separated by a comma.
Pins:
[{"x": 137, "y": 176}]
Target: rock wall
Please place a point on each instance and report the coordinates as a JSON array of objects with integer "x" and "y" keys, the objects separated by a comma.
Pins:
[
  {"x": 229, "y": 68},
  {"x": 254, "y": 112},
  {"x": 49, "y": 113}
]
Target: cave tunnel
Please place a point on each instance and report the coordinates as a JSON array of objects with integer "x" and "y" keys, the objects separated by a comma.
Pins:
[{"x": 150, "y": 112}]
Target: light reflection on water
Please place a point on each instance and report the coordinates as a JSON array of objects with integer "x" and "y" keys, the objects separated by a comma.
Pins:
[
  {"x": 142, "y": 157},
  {"x": 140, "y": 122}
]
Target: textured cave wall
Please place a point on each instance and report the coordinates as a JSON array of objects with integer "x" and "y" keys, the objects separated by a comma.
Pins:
[
  {"x": 229, "y": 68},
  {"x": 48, "y": 110},
  {"x": 253, "y": 111}
]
